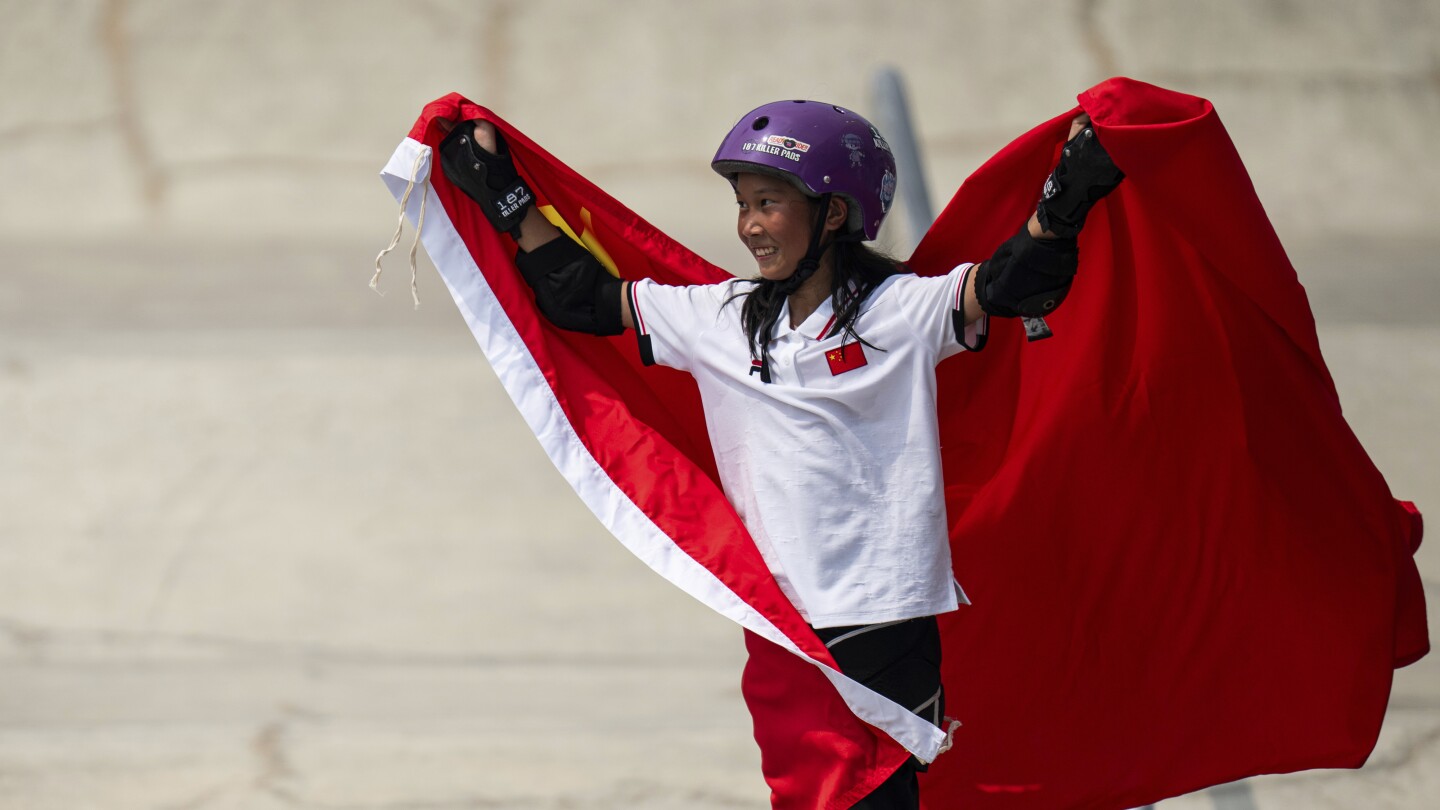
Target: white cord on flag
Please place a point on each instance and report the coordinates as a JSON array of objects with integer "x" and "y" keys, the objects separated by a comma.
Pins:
[
  {"x": 950, "y": 725},
  {"x": 400, "y": 226}
]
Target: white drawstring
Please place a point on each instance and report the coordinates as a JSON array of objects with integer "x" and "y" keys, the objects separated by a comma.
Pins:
[
  {"x": 400, "y": 226},
  {"x": 950, "y": 726}
]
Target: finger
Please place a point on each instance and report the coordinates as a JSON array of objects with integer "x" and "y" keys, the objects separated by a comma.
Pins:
[{"x": 485, "y": 136}]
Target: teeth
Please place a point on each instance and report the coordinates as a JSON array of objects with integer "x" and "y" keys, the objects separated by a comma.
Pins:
[{"x": 763, "y": 252}]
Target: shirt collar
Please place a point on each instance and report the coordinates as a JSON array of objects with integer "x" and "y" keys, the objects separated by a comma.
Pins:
[{"x": 820, "y": 323}]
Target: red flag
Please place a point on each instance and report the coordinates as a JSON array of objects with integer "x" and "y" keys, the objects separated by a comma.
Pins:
[
  {"x": 846, "y": 358},
  {"x": 1184, "y": 568}
]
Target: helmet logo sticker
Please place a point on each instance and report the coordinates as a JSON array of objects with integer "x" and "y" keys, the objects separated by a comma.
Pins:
[
  {"x": 887, "y": 190},
  {"x": 775, "y": 145},
  {"x": 880, "y": 142},
  {"x": 787, "y": 142},
  {"x": 852, "y": 142}
]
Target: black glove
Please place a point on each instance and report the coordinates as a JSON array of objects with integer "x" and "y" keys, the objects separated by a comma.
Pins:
[
  {"x": 488, "y": 179},
  {"x": 1084, "y": 175}
]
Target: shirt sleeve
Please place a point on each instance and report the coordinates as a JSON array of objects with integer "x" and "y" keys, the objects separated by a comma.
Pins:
[
  {"x": 670, "y": 319},
  {"x": 934, "y": 308}
]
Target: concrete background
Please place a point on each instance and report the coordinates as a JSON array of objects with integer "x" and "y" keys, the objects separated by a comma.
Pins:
[{"x": 269, "y": 541}]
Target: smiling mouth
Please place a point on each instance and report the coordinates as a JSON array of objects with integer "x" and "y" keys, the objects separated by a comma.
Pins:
[{"x": 764, "y": 252}]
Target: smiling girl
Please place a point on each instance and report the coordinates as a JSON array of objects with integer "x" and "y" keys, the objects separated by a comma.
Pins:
[{"x": 818, "y": 376}]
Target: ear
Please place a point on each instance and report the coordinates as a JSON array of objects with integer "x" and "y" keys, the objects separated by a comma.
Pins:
[{"x": 838, "y": 215}]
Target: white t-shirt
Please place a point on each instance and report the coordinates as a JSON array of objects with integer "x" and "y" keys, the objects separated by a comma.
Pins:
[{"x": 834, "y": 466}]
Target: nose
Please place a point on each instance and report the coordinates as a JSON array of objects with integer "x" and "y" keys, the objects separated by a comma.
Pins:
[{"x": 748, "y": 225}]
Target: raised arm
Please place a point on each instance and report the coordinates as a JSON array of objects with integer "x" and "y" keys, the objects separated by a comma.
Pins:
[
  {"x": 571, "y": 288},
  {"x": 1031, "y": 273}
]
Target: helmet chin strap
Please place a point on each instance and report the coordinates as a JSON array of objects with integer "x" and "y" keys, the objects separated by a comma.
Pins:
[
  {"x": 803, "y": 271},
  {"x": 810, "y": 263}
]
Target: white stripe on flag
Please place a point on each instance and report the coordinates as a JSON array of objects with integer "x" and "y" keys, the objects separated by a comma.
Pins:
[{"x": 526, "y": 385}]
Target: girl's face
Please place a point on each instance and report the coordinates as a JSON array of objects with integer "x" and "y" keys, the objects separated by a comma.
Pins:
[{"x": 774, "y": 223}]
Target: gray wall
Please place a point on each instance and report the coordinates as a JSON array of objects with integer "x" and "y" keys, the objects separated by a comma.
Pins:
[{"x": 269, "y": 117}]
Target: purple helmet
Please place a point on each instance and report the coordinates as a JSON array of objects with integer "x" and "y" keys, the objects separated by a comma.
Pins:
[{"x": 821, "y": 148}]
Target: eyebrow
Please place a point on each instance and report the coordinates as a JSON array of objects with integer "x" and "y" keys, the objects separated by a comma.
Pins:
[{"x": 764, "y": 190}]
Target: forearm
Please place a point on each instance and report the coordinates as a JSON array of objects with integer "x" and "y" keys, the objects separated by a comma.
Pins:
[
  {"x": 973, "y": 312},
  {"x": 535, "y": 230},
  {"x": 1031, "y": 273},
  {"x": 571, "y": 287},
  {"x": 1037, "y": 230}
]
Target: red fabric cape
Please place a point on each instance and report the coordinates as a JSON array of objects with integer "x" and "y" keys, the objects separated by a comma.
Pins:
[{"x": 1185, "y": 569}]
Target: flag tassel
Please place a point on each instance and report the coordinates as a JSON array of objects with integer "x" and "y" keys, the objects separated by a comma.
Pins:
[{"x": 400, "y": 226}]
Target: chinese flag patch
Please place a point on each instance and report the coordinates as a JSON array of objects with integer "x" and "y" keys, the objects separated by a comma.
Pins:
[{"x": 846, "y": 358}]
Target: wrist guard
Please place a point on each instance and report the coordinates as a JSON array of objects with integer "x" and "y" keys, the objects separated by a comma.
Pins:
[
  {"x": 1027, "y": 277},
  {"x": 1084, "y": 175},
  {"x": 488, "y": 179},
  {"x": 572, "y": 289}
]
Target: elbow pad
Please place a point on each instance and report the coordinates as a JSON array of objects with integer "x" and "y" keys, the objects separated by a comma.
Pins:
[
  {"x": 1027, "y": 277},
  {"x": 572, "y": 289}
]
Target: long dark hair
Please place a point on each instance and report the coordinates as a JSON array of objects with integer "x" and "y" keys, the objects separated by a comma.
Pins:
[{"x": 858, "y": 269}]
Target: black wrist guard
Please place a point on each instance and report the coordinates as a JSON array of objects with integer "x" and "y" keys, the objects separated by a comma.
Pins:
[
  {"x": 571, "y": 288},
  {"x": 1027, "y": 277},
  {"x": 1083, "y": 176},
  {"x": 490, "y": 180}
]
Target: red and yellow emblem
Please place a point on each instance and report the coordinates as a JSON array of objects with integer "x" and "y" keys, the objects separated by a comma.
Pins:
[
  {"x": 846, "y": 358},
  {"x": 587, "y": 238}
]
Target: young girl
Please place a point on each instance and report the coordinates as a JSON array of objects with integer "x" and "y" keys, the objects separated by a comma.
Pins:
[{"x": 817, "y": 377}]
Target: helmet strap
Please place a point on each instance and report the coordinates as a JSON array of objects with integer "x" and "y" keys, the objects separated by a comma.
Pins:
[
  {"x": 810, "y": 262},
  {"x": 807, "y": 267}
]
